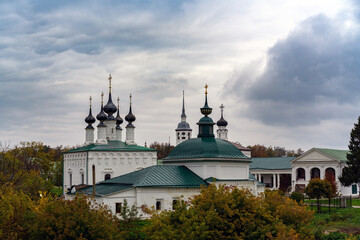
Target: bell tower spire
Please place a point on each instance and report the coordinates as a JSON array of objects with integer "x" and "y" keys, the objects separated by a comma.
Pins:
[{"x": 183, "y": 131}]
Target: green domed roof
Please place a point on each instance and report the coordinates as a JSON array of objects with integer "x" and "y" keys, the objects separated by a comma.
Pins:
[{"x": 200, "y": 148}]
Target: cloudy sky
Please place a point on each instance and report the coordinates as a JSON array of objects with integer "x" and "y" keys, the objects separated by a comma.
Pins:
[{"x": 287, "y": 71}]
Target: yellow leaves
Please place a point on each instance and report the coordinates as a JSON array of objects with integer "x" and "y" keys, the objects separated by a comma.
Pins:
[{"x": 231, "y": 213}]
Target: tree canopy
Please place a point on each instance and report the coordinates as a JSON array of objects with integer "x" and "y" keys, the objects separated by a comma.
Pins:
[
  {"x": 350, "y": 173},
  {"x": 231, "y": 213}
]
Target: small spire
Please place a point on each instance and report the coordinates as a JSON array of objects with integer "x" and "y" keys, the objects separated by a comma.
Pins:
[
  {"x": 90, "y": 101},
  {"x": 222, "y": 109},
  {"x": 183, "y": 115},
  {"x": 110, "y": 83},
  {"x": 102, "y": 98},
  {"x": 130, "y": 99},
  {"x": 206, "y": 87},
  {"x": 118, "y": 100}
]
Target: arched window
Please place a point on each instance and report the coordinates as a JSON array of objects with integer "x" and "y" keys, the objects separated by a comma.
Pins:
[
  {"x": 300, "y": 174},
  {"x": 70, "y": 179},
  {"x": 189, "y": 135},
  {"x": 315, "y": 173},
  {"x": 107, "y": 176},
  {"x": 330, "y": 174},
  {"x": 82, "y": 178}
]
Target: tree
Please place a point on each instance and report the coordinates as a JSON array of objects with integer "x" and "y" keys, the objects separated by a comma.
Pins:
[
  {"x": 350, "y": 173},
  {"x": 318, "y": 188},
  {"x": 163, "y": 149},
  {"x": 258, "y": 151},
  {"x": 232, "y": 213}
]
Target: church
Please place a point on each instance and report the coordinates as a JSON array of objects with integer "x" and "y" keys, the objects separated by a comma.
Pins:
[{"x": 113, "y": 170}]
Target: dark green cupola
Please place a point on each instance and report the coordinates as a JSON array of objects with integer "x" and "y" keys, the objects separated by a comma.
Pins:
[{"x": 206, "y": 124}]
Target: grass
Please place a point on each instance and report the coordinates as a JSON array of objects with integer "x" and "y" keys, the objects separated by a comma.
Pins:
[
  {"x": 355, "y": 202},
  {"x": 346, "y": 220},
  {"x": 57, "y": 191}
]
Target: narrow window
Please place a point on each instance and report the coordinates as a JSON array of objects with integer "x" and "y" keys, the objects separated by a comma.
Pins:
[
  {"x": 82, "y": 178},
  {"x": 174, "y": 203},
  {"x": 158, "y": 204},
  {"x": 354, "y": 189},
  {"x": 70, "y": 179},
  {"x": 107, "y": 176},
  {"x": 117, "y": 207}
]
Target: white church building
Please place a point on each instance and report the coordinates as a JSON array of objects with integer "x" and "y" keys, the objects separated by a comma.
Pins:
[
  {"x": 124, "y": 170},
  {"x": 113, "y": 169}
]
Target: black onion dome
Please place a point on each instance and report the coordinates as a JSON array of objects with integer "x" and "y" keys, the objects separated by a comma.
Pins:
[
  {"x": 110, "y": 108},
  {"x": 130, "y": 117},
  {"x": 222, "y": 122},
  {"x": 90, "y": 119},
  {"x": 101, "y": 116},
  {"x": 118, "y": 119}
]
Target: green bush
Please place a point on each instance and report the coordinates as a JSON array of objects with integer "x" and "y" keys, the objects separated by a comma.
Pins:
[
  {"x": 298, "y": 197},
  {"x": 334, "y": 236}
]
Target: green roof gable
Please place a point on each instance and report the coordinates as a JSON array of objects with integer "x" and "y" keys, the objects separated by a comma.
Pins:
[
  {"x": 334, "y": 153},
  {"x": 206, "y": 147},
  {"x": 154, "y": 176},
  {"x": 271, "y": 163},
  {"x": 112, "y": 145}
]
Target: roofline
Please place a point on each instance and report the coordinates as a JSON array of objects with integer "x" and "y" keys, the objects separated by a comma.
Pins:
[
  {"x": 110, "y": 150},
  {"x": 270, "y": 168},
  {"x": 205, "y": 160},
  {"x": 316, "y": 149}
]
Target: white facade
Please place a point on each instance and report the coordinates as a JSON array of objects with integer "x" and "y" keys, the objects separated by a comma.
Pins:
[
  {"x": 182, "y": 135},
  {"x": 218, "y": 169},
  {"x": 314, "y": 163},
  {"x": 78, "y": 165},
  {"x": 222, "y": 133}
]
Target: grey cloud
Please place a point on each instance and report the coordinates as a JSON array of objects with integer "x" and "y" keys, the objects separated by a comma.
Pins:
[{"x": 311, "y": 75}]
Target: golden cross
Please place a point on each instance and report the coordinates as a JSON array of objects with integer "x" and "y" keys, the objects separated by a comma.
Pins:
[
  {"x": 206, "y": 87},
  {"x": 90, "y": 101},
  {"x": 110, "y": 82},
  {"x": 118, "y": 100},
  {"x": 130, "y": 98},
  {"x": 102, "y": 96}
]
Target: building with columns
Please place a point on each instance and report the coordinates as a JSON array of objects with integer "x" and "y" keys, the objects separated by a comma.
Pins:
[
  {"x": 319, "y": 163},
  {"x": 274, "y": 172}
]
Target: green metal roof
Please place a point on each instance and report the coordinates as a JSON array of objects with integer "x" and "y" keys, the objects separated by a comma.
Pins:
[
  {"x": 251, "y": 178},
  {"x": 112, "y": 145},
  {"x": 271, "y": 163},
  {"x": 206, "y": 147},
  {"x": 154, "y": 176},
  {"x": 334, "y": 153}
]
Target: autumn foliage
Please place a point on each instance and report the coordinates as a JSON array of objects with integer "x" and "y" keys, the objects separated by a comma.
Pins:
[{"x": 231, "y": 213}]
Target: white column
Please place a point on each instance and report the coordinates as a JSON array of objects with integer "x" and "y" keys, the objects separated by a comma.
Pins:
[
  {"x": 274, "y": 181},
  {"x": 130, "y": 135},
  {"x": 101, "y": 138},
  {"x": 118, "y": 134},
  {"x": 110, "y": 129},
  {"x": 278, "y": 180},
  {"x": 89, "y": 136},
  {"x": 260, "y": 177}
]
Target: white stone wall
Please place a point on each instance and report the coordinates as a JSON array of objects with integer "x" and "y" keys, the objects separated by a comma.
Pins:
[
  {"x": 218, "y": 169},
  {"x": 113, "y": 163},
  {"x": 118, "y": 163},
  {"x": 74, "y": 164}
]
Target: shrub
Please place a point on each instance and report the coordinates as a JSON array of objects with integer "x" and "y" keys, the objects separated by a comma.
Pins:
[{"x": 296, "y": 196}]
